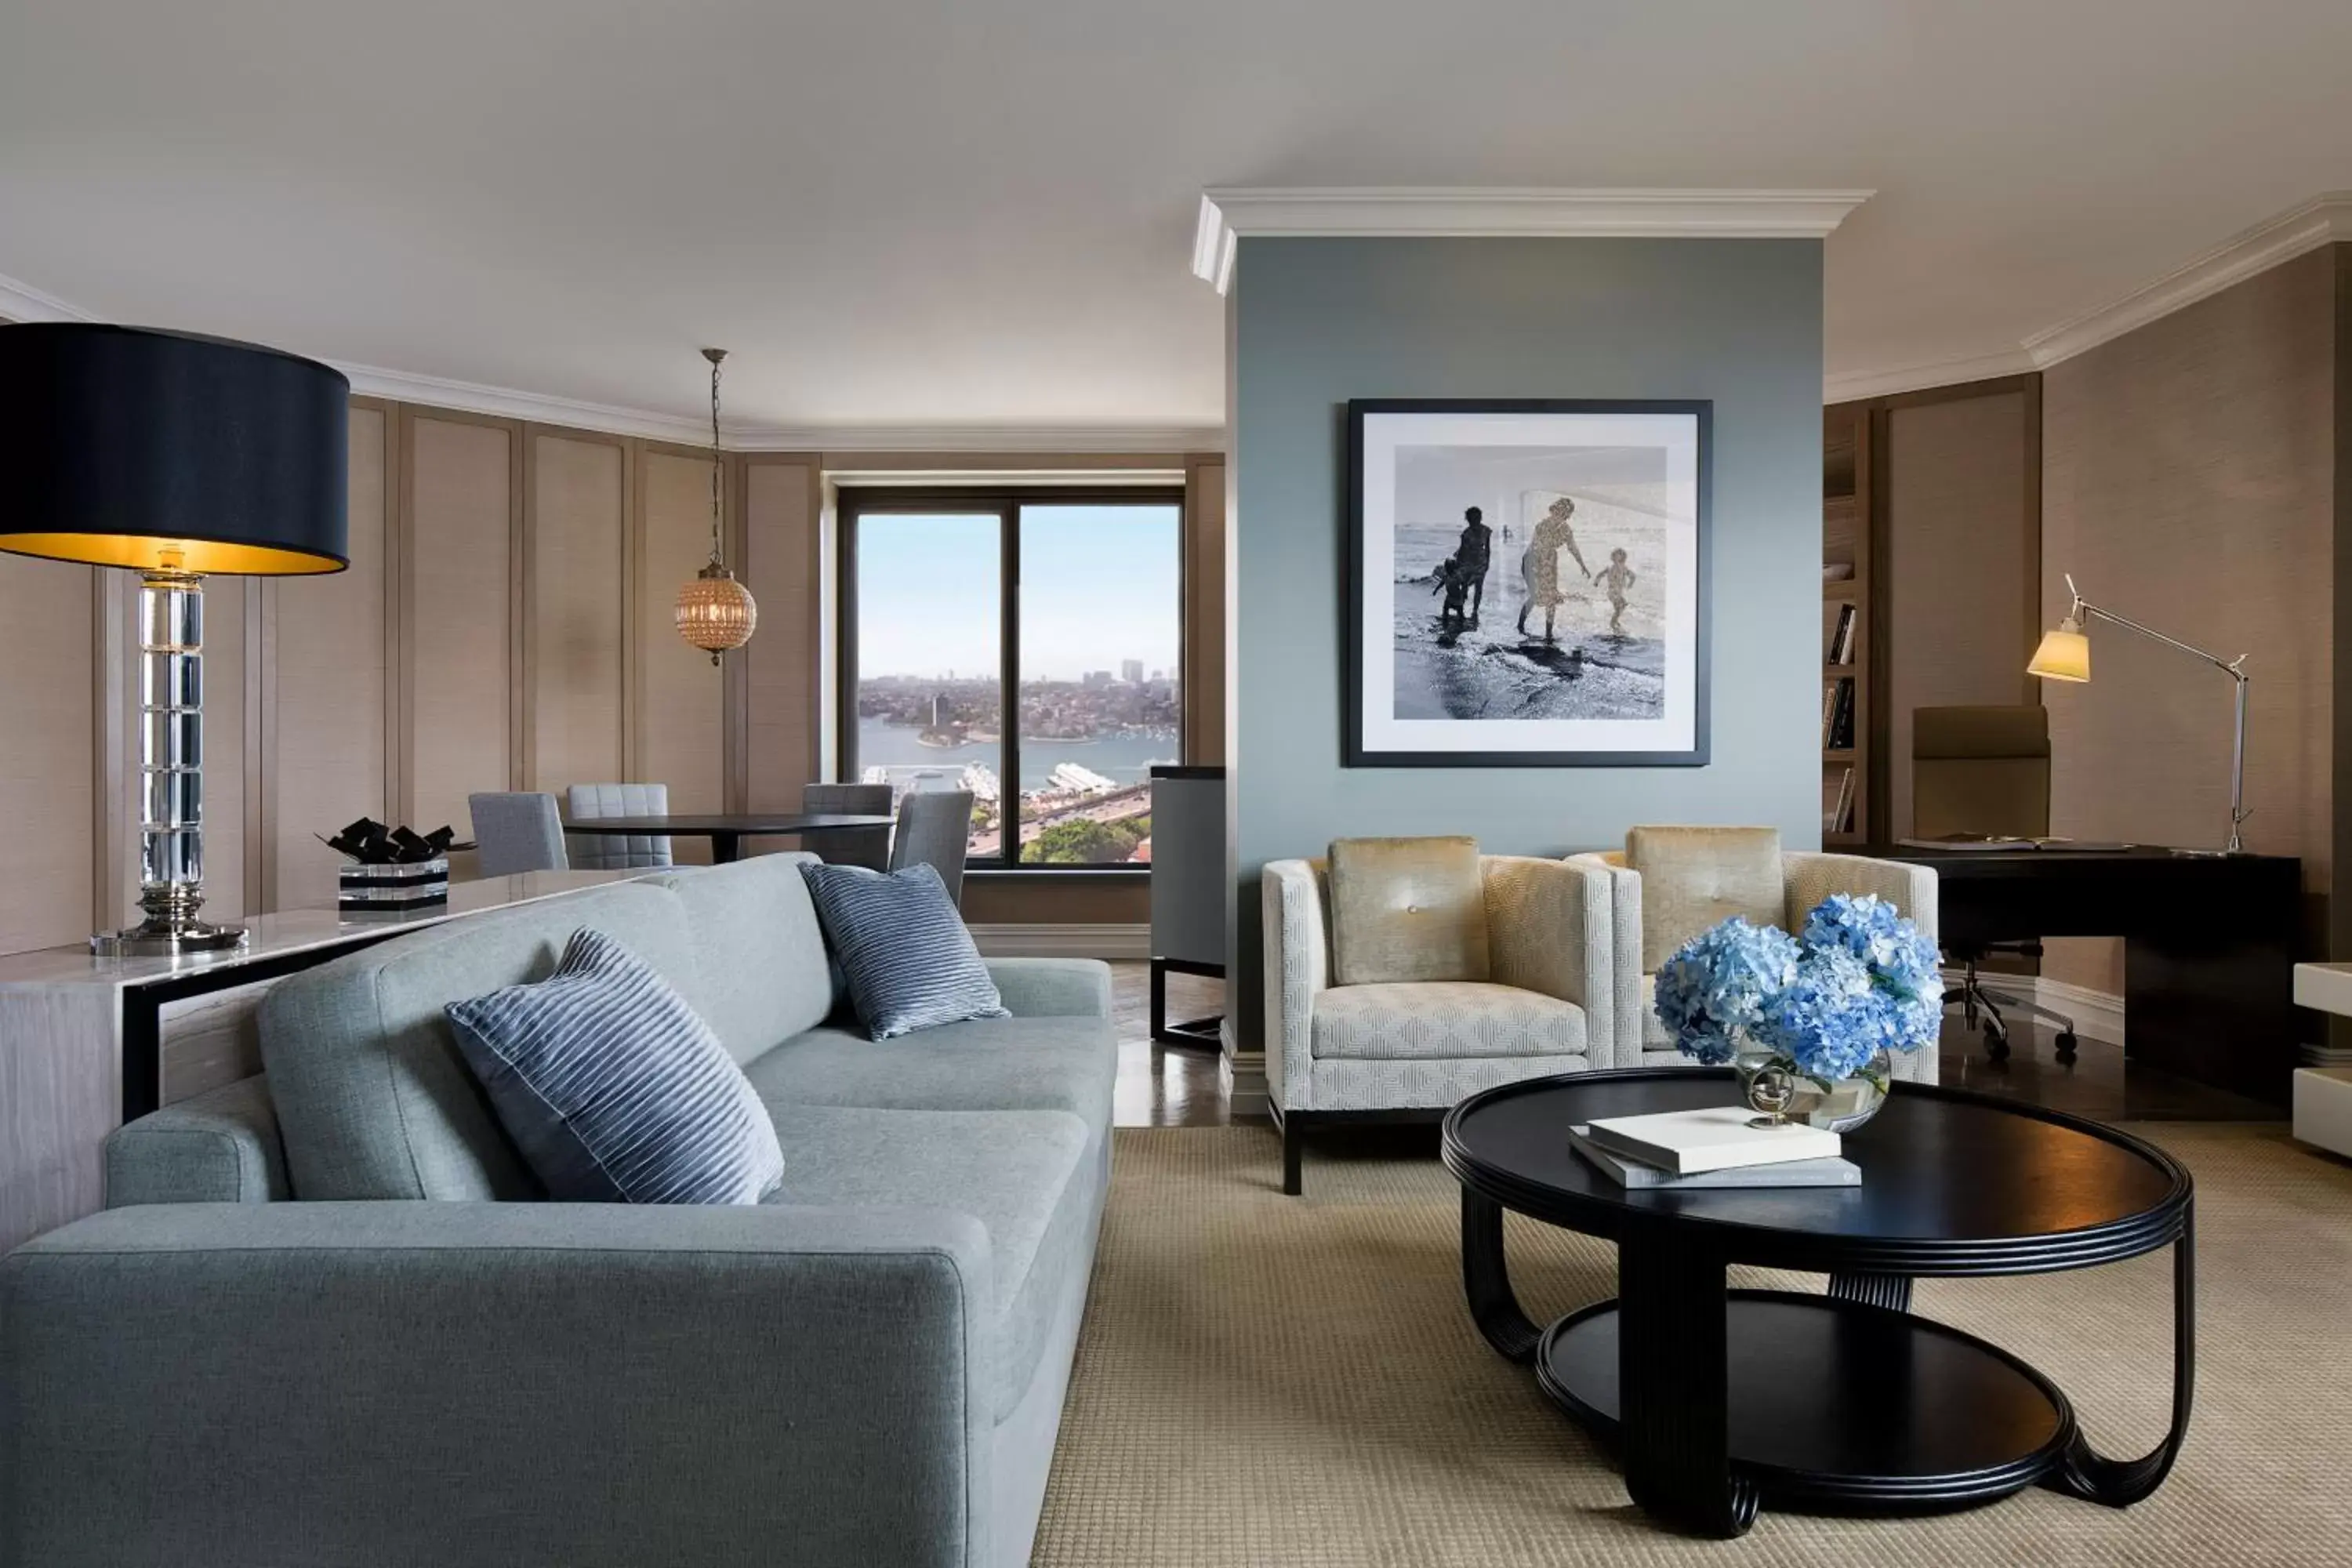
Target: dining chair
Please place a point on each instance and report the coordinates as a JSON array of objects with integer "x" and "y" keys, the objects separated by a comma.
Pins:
[
  {"x": 599, "y": 852},
  {"x": 867, "y": 847},
  {"x": 934, "y": 830},
  {"x": 517, "y": 832}
]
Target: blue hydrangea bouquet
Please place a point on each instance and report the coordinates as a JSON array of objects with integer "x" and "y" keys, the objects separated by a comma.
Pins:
[{"x": 1810, "y": 1021}]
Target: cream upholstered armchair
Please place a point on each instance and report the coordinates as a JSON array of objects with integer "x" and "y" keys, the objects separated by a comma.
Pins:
[
  {"x": 1422, "y": 982},
  {"x": 1670, "y": 883}
]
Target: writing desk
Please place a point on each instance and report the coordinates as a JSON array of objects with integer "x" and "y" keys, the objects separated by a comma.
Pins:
[{"x": 2210, "y": 944}]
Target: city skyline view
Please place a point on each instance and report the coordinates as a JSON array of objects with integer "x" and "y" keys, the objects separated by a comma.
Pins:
[{"x": 1099, "y": 588}]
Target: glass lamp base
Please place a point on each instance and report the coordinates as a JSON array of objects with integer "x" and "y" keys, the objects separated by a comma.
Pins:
[{"x": 152, "y": 941}]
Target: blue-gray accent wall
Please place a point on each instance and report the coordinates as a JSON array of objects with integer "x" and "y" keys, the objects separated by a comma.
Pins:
[{"x": 1315, "y": 322}]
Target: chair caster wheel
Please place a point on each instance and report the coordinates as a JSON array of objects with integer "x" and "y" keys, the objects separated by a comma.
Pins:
[
  {"x": 2065, "y": 1043},
  {"x": 1997, "y": 1046}
]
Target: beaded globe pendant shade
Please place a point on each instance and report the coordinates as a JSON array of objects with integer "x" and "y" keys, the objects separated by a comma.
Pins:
[{"x": 716, "y": 613}]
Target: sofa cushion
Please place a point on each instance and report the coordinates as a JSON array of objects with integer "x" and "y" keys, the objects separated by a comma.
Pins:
[
  {"x": 1695, "y": 879},
  {"x": 375, "y": 1101},
  {"x": 764, "y": 973},
  {"x": 1023, "y": 1175},
  {"x": 613, "y": 1089},
  {"x": 1442, "y": 1020},
  {"x": 1407, "y": 909},
  {"x": 984, "y": 1064},
  {"x": 909, "y": 957}
]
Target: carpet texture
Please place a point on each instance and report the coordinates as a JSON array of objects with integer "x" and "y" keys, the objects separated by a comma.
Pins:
[{"x": 1266, "y": 1380}]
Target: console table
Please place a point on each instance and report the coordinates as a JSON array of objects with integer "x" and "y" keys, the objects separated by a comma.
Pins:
[{"x": 86, "y": 1043}]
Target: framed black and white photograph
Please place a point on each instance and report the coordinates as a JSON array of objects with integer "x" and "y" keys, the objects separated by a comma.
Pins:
[{"x": 1528, "y": 584}]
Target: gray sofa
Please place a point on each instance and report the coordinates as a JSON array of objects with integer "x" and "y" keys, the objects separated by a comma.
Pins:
[{"x": 324, "y": 1323}]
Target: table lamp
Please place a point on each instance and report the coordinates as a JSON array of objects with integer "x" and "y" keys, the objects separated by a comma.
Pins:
[
  {"x": 175, "y": 457},
  {"x": 2064, "y": 654}
]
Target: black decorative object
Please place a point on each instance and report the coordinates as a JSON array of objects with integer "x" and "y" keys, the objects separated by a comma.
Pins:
[
  {"x": 176, "y": 456},
  {"x": 394, "y": 870},
  {"x": 1718, "y": 1401},
  {"x": 1526, "y": 584}
]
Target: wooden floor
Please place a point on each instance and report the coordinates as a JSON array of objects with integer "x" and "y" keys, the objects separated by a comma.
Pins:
[{"x": 1161, "y": 1086}]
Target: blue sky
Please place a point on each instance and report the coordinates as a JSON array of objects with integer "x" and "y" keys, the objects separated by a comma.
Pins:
[{"x": 1099, "y": 585}]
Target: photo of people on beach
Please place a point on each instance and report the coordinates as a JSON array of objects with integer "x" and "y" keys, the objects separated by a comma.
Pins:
[{"x": 1531, "y": 590}]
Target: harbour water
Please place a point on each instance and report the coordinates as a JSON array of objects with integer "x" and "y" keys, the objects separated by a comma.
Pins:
[{"x": 1124, "y": 759}]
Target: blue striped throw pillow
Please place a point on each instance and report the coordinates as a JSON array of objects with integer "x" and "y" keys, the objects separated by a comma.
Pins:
[
  {"x": 615, "y": 1090},
  {"x": 909, "y": 962}
]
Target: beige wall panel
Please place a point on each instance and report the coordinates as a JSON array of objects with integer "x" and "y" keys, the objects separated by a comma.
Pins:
[
  {"x": 1078, "y": 900},
  {"x": 460, "y": 482},
  {"x": 331, "y": 689},
  {"x": 1958, "y": 547},
  {"x": 46, "y": 692},
  {"x": 578, "y": 556},
  {"x": 1205, "y": 613},
  {"x": 2187, "y": 483},
  {"x": 679, "y": 726},
  {"x": 780, "y": 566}
]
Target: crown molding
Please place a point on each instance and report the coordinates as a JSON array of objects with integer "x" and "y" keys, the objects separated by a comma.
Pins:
[
  {"x": 1846, "y": 386},
  {"x": 2305, "y": 227},
  {"x": 23, "y": 302},
  {"x": 1230, "y": 213}
]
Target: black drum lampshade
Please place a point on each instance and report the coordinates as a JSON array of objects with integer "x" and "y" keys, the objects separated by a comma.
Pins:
[{"x": 164, "y": 451}]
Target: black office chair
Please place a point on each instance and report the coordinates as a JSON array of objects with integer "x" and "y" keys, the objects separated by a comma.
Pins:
[{"x": 1985, "y": 772}]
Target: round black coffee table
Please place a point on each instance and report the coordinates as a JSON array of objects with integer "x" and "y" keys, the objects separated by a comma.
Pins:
[{"x": 1716, "y": 1399}]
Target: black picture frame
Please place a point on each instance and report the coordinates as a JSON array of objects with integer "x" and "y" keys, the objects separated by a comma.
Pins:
[{"x": 1356, "y": 750}]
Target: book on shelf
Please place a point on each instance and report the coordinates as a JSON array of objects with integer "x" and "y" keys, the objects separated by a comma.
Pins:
[
  {"x": 1634, "y": 1176},
  {"x": 1837, "y": 714},
  {"x": 1715, "y": 1138},
  {"x": 1837, "y": 801},
  {"x": 1839, "y": 649}
]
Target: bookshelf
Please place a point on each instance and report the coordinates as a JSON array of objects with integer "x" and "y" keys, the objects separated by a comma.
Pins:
[{"x": 1845, "y": 631}]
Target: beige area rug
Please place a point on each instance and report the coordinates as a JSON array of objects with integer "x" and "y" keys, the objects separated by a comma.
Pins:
[{"x": 1284, "y": 1380}]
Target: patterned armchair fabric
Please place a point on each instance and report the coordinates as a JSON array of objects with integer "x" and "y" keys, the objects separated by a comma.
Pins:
[
  {"x": 1549, "y": 1005},
  {"x": 1806, "y": 877}
]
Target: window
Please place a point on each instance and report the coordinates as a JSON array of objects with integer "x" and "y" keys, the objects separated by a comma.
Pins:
[{"x": 1071, "y": 600}]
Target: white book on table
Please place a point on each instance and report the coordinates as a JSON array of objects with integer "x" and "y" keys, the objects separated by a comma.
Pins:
[
  {"x": 1634, "y": 1176},
  {"x": 1717, "y": 1138}
]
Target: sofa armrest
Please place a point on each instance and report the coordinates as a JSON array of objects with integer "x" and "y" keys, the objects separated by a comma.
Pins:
[
  {"x": 1549, "y": 926},
  {"x": 1813, "y": 876},
  {"x": 1052, "y": 987},
  {"x": 1625, "y": 945},
  {"x": 475, "y": 1385},
  {"x": 1296, "y": 939},
  {"x": 221, "y": 1146}
]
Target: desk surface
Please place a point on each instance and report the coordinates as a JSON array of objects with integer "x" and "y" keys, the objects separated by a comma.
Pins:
[{"x": 2009, "y": 862}]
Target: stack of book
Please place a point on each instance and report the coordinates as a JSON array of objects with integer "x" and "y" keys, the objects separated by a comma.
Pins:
[{"x": 1717, "y": 1147}]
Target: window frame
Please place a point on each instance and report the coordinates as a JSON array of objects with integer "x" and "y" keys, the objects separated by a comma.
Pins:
[{"x": 1005, "y": 501}]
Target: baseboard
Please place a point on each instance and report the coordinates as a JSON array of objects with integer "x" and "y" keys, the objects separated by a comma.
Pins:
[
  {"x": 1244, "y": 1076},
  {"x": 2097, "y": 1015},
  {"x": 1131, "y": 942}
]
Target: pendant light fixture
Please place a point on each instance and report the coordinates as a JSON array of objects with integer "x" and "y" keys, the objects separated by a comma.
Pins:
[{"x": 714, "y": 612}]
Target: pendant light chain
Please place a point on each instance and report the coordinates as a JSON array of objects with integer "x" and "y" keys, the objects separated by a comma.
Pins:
[{"x": 714, "y": 356}]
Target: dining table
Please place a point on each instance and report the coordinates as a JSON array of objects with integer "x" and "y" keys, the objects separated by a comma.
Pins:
[{"x": 728, "y": 829}]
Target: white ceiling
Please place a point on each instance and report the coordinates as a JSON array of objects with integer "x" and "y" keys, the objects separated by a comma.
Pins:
[{"x": 926, "y": 212}]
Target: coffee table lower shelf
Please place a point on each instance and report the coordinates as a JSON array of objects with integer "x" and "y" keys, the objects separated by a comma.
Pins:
[{"x": 1840, "y": 1406}]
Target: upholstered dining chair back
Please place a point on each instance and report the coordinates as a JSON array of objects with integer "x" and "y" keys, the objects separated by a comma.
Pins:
[
  {"x": 1980, "y": 770},
  {"x": 862, "y": 848},
  {"x": 517, "y": 832},
  {"x": 597, "y": 852},
  {"x": 934, "y": 830}
]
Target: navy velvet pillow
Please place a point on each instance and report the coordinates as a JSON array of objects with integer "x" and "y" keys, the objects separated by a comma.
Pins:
[
  {"x": 615, "y": 1090},
  {"x": 909, "y": 961}
]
